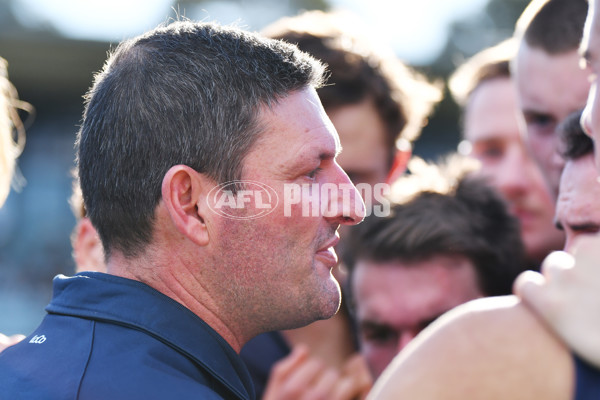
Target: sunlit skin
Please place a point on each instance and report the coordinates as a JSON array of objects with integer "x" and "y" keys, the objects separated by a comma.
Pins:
[
  {"x": 549, "y": 88},
  {"x": 578, "y": 209},
  {"x": 282, "y": 264},
  {"x": 491, "y": 126},
  {"x": 396, "y": 300}
]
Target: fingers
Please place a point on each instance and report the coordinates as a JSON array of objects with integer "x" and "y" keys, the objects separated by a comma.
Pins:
[
  {"x": 566, "y": 297},
  {"x": 539, "y": 291},
  {"x": 556, "y": 263},
  {"x": 285, "y": 367},
  {"x": 356, "y": 379},
  {"x": 299, "y": 377},
  {"x": 302, "y": 377}
]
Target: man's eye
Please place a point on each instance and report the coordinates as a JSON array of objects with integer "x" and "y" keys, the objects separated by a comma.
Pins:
[
  {"x": 541, "y": 121},
  {"x": 491, "y": 152}
]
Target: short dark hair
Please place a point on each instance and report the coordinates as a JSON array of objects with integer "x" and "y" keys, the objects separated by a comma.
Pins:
[
  {"x": 555, "y": 26},
  {"x": 358, "y": 71},
  {"x": 445, "y": 211},
  {"x": 574, "y": 142},
  {"x": 186, "y": 93}
]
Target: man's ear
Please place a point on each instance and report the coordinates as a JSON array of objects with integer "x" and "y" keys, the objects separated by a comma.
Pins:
[
  {"x": 184, "y": 193},
  {"x": 87, "y": 247}
]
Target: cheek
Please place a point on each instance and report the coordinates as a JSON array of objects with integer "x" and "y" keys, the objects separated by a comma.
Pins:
[{"x": 543, "y": 146}]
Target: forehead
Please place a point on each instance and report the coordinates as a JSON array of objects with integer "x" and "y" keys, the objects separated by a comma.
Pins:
[
  {"x": 362, "y": 134},
  {"x": 294, "y": 129},
  {"x": 492, "y": 111},
  {"x": 389, "y": 288},
  {"x": 550, "y": 83}
]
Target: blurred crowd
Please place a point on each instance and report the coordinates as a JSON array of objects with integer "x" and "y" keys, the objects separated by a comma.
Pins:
[{"x": 478, "y": 279}]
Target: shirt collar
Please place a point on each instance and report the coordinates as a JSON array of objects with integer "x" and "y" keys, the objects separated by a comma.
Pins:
[{"x": 110, "y": 298}]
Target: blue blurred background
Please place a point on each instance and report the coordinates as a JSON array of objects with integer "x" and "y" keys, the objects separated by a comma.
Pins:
[{"x": 53, "y": 48}]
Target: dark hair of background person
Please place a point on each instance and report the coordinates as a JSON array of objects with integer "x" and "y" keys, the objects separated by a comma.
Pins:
[
  {"x": 358, "y": 70},
  {"x": 574, "y": 142},
  {"x": 555, "y": 26},
  {"x": 181, "y": 94},
  {"x": 445, "y": 211}
]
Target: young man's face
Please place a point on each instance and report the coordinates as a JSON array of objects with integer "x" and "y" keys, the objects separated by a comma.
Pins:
[
  {"x": 549, "y": 88},
  {"x": 491, "y": 126}
]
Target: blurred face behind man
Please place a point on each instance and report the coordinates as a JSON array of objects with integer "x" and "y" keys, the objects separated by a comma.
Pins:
[
  {"x": 491, "y": 126},
  {"x": 395, "y": 300},
  {"x": 362, "y": 134},
  {"x": 549, "y": 88}
]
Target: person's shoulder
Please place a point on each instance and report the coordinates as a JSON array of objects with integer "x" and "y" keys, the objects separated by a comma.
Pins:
[{"x": 492, "y": 348}]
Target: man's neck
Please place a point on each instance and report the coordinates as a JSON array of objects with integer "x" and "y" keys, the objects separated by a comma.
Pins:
[{"x": 171, "y": 277}]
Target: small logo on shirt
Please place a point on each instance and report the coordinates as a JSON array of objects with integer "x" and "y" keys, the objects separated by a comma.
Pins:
[{"x": 38, "y": 339}]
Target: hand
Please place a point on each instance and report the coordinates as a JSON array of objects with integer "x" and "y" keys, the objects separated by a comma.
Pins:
[
  {"x": 567, "y": 296},
  {"x": 7, "y": 341},
  {"x": 301, "y": 376}
]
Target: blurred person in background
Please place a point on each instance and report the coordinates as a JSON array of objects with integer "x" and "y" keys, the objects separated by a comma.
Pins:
[
  {"x": 9, "y": 150},
  {"x": 566, "y": 295},
  {"x": 88, "y": 253},
  {"x": 532, "y": 362},
  {"x": 449, "y": 239},
  {"x": 550, "y": 82},
  {"x": 378, "y": 106},
  {"x": 482, "y": 86}
]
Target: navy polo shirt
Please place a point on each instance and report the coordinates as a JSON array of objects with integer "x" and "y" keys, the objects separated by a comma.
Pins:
[
  {"x": 587, "y": 381},
  {"x": 107, "y": 337}
]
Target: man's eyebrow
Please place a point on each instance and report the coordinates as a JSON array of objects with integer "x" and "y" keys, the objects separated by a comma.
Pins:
[{"x": 587, "y": 226}]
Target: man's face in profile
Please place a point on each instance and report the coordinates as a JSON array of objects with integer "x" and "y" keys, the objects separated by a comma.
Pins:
[{"x": 282, "y": 262}]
